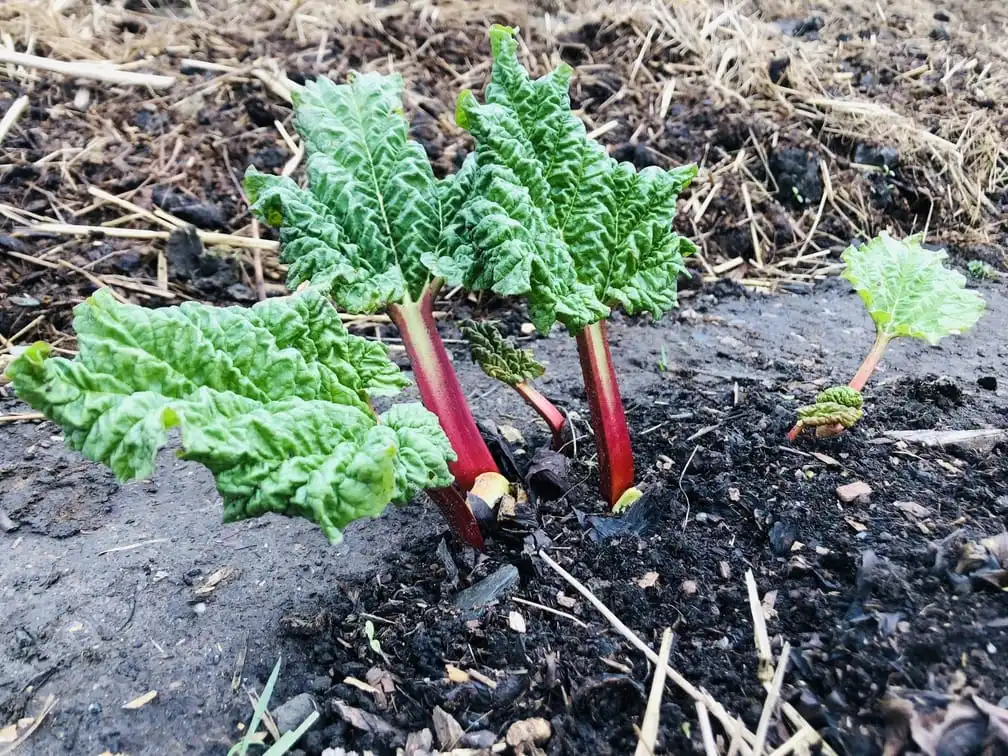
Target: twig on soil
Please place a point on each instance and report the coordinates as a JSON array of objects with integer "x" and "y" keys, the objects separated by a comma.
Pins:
[
  {"x": 208, "y": 237},
  {"x": 21, "y": 417},
  {"x": 130, "y": 547},
  {"x": 805, "y": 736},
  {"x": 549, "y": 610},
  {"x": 87, "y": 70},
  {"x": 770, "y": 703},
  {"x": 790, "y": 712},
  {"x": 648, "y": 737},
  {"x": 710, "y": 747},
  {"x": 47, "y": 707},
  {"x": 682, "y": 490},
  {"x": 730, "y": 723},
  {"x": 763, "y": 650},
  {"x": 11, "y": 116}
]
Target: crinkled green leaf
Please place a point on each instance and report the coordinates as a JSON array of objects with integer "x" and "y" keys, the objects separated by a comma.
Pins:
[
  {"x": 837, "y": 405},
  {"x": 272, "y": 399},
  {"x": 498, "y": 358},
  {"x": 373, "y": 208},
  {"x": 552, "y": 215},
  {"x": 907, "y": 290}
]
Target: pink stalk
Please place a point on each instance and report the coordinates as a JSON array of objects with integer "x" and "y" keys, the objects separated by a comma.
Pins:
[
  {"x": 547, "y": 411},
  {"x": 870, "y": 362},
  {"x": 612, "y": 436},
  {"x": 442, "y": 394}
]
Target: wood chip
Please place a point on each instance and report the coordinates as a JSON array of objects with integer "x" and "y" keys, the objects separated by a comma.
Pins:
[
  {"x": 516, "y": 622},
  {"x": 859, "y": 527},
  {"x": 912, "y": 509},
  {"x": 528, "y": 732},
  {"x": 455, "y": 674},
  {"x": 648, "y": 580},
  {"x": 979, "y": 440},
  {"x": 566, "y": 601},
  {"x": 140, "y": 701},
  {"x": 449, "y": 732},
  {"x": 858, "y": 491}
]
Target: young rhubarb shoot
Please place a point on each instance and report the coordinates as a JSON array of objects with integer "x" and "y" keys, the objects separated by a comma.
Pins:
[
  {"x": 553, "y": 218},
  {"x": 908, "y": 292},
  {"x": 515, "y": 367},
  {"x": 273, "y": 399},
  {"x": 372, "y": 211}
]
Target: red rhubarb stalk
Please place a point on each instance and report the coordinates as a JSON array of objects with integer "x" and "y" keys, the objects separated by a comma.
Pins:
[
  {"x": 612, "y": 437},
  {"x": 547, "y": 411},
  {"x": 442, "y": 394},
  {"x": 440, "y": 389},
  {"x": 870, "y": 362}
]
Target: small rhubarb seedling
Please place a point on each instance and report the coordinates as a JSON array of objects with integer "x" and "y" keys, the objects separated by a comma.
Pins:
[
  {"x": 372, "y": 212},
  {"x": 552, "y": 217},
  {"x": 515, "y": 367},
  {"x": 908, "y": 292}
]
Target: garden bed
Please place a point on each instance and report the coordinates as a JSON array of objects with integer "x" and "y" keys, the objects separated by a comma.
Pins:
[{"x": 119, "y": 590}]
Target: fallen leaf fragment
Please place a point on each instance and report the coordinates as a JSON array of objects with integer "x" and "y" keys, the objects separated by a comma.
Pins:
[
  {"x": 8, "y": 734},
  {"x": 535, "y": 731},
  {"x": 912, "y": 509},
  {"x": 648, "y": 580},
  {"x": 858, "y": 491},
  {"x": 858, "y": 526},
  {"x": 942, "y": 724},
  {"x": 455, "y": 674},
  {"x": 449, "y": 732},
  {"x": 364, "y": 720},
  {"x": 565, "y": 601},
  {"x": 516, "y": 622},
  {"x": 216, "y": 579},
  {"x": 140, "y": 701}
]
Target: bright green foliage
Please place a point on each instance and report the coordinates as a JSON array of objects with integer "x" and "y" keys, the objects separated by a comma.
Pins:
[
  {"x": 981, "y": 271},
  {"x": 837, "y": 405},
  {"x": 499, "y": 359},
  {"x": 907, "y": 290},
  {"x": 374, "y": 207},
  {"x": 273, "y": 399},
  {"x": 553, "y": 216}
]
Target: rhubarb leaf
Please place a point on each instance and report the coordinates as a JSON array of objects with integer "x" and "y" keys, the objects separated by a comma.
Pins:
[
  {"x": 545, "y": 193},
  {"x": 272, "y": 399},
  {"x": 499, "y": 359},
  {"x": 907, "y": 290},
  {"x": 373, "y": 208}
]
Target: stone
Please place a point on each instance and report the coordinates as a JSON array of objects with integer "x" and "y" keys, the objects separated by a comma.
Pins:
[{"x": 858, "y": 491}]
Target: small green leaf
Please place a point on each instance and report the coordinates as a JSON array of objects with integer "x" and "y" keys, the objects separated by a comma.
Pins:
[
  {"x": 499, "y": 359},
  {"x": 907, "y": 290},
  {"x": 837, "y": 405},
  {"x": 272, "y": 399}
]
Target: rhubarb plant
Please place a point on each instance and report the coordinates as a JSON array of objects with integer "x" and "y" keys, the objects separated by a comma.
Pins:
[
  {"x": 516, "y": 367},
  {"x": 908, "y": 293},
  {"x": 274, "y": 399},
  {"x": 372, "y": 214},
  {"x": 552, "y": 217}
]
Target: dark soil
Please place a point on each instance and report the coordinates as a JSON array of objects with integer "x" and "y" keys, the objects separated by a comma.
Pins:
[
  {"x": 109, "y": 591},
  {"x": 97, "y": 626}
]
